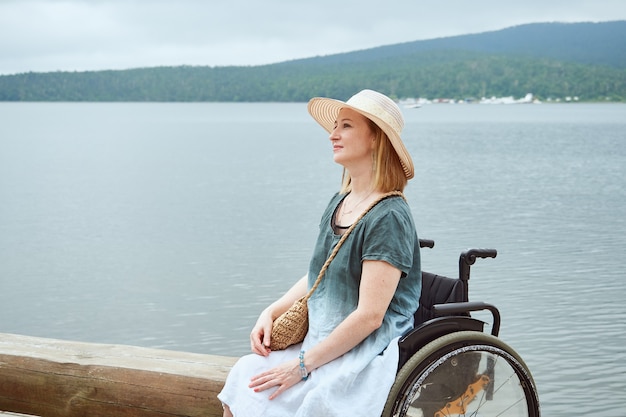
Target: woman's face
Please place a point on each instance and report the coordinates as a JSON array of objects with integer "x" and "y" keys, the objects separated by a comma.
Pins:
[{"x": 352, "y": 140}]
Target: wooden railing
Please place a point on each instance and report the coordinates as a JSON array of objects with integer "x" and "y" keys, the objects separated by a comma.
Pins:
[{"x": 50, "y": 378}]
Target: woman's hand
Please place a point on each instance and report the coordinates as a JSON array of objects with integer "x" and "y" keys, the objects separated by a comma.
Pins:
[
  {"x": 261, "y": 333},
  {"x": 283, "y": 376}
]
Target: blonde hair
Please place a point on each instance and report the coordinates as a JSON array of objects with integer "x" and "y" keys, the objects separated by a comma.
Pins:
[{"x": 388, "y": 171}]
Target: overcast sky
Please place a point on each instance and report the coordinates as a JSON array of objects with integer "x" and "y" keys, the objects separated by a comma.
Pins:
[{"x": 79, "y": 35}]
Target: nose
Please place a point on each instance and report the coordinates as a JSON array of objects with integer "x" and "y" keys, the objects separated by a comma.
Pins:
[{"x": 333, "y": 135}]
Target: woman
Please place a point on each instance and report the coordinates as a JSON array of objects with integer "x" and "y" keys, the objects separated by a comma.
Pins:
[{"x": 366, "y": 299}]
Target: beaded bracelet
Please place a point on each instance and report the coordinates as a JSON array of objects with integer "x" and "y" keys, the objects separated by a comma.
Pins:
[{"x": 303, "y": 371}]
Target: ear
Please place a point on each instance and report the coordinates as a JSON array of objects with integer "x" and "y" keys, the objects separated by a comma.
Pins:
[{"x": 374, "y": 141}]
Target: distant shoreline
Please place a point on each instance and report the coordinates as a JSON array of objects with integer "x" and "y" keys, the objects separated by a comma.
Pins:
[{"x": 550, "y": 60}]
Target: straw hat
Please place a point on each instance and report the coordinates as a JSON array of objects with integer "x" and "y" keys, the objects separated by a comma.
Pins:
[{"x": 375, "y": 106}]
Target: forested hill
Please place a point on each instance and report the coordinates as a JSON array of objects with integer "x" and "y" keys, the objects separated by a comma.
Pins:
[
  {"x": 550, "y": 60},
  {"x": 583, "y": 43}
]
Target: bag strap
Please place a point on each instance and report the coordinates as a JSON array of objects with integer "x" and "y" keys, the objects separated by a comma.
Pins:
[{"x": 345, "y": 236}]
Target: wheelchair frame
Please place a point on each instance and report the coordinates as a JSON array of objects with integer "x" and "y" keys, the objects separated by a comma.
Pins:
[{"x": 448, "y": 366}]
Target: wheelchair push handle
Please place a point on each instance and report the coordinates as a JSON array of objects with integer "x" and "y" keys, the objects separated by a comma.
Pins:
[
  {"x": 470, "y": 255},
  {"x": 467, "y": 259},
  {"x": 427, "y": 243}
]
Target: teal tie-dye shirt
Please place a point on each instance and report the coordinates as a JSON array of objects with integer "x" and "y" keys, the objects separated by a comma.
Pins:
[{"x": 387, "y": 233}]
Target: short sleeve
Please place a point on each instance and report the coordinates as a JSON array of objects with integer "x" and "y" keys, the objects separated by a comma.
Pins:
[{"x": 390, "y": 236}]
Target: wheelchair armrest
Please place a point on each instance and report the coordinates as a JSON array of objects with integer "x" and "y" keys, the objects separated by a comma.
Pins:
[{"x": 457, "y": 308}]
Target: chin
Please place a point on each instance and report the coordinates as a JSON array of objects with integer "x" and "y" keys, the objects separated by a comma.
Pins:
[{"x": 337, "y": 158}]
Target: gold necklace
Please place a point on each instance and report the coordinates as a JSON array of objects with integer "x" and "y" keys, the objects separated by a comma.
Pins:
[{"x": 343, "y": 207}]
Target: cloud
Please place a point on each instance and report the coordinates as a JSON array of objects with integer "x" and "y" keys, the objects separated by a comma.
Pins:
[{"x": 37, "y": 35}]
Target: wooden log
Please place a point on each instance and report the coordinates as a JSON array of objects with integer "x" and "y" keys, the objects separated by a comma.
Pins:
[{"x": 54, "y": 378}]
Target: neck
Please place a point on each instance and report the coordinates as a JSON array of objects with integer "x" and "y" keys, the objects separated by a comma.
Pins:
[{"x": 361, "y": 184}]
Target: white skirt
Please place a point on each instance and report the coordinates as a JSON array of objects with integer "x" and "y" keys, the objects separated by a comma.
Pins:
[{"x": 335, "y": 389}]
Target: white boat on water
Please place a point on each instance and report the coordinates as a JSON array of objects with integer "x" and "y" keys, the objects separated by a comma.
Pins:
[
  {"x": 412, "y": 103},
  {"x": 528, "y": 99}
]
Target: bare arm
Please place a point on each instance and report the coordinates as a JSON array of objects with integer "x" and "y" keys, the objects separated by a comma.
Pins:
[
  {"x": 378, "y": 284},
  {"x": 260, "y": 335}
]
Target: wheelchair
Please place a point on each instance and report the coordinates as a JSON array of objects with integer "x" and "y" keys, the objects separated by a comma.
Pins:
[{"x": 448, "y": 366}]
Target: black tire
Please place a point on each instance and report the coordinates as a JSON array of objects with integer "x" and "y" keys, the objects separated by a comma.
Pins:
[{"x": 464, "y": 374}]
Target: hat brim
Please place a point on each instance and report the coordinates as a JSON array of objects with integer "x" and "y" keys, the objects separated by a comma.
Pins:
[{"x": 325, "y": 111}]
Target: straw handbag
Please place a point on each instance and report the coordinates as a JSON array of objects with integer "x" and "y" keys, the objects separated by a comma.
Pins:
[{"x": 291, "y": 326}]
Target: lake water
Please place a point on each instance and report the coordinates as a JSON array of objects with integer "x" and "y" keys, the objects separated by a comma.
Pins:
[{"x": 173, "y": 225}]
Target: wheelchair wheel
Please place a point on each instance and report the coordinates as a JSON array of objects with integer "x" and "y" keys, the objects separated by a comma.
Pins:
[{"x": 463, "y": 374}]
